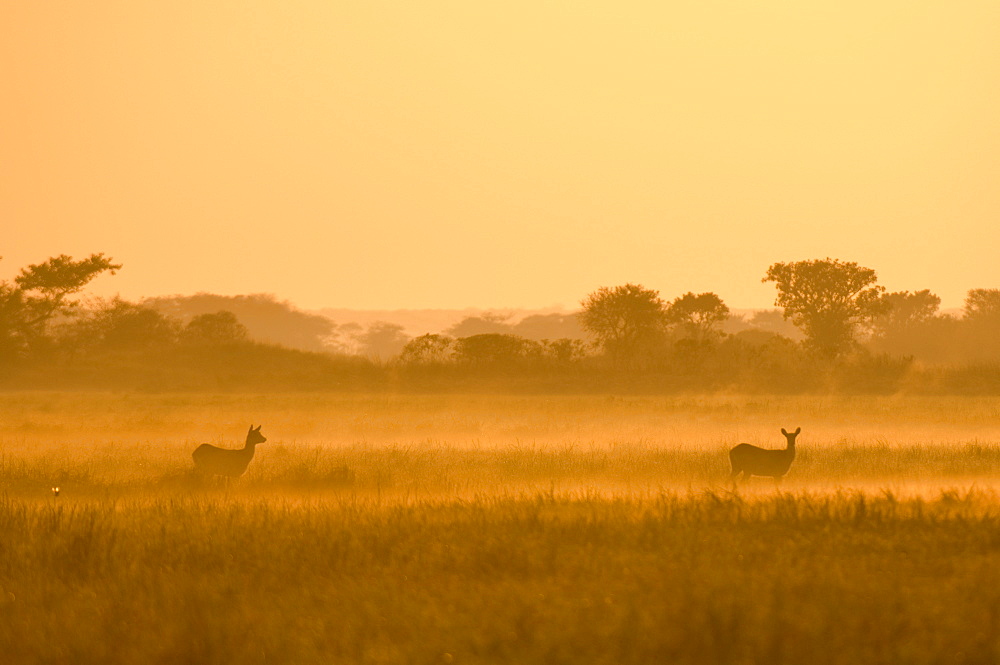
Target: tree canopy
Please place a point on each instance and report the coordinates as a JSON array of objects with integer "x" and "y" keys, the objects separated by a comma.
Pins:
[
  {"x": 493, "y": 349},
  {"x": 698, "y": 316},
  {"x": 827, "y": 299},
  {"x": 624, "y": 319},
  {"x": 427, "y": 349},
  {"x": 903, "y": 310},
  {"x": 383, "y": 340},
  {"x": 41, "y": 292},
  {"x": 218, "y": 328},
  {"x": 982, "y": 305},
  {"x": 266, "y": 318},
  {"x": 51, "y": 336}
]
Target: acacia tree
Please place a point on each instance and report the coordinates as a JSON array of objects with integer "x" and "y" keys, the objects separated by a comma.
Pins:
[
  {"x": 827, "y": 299},
  {"x": 698, "y": 316},
  {"x": 41, "y": 292},
  {"x": 625, "y": 320}
]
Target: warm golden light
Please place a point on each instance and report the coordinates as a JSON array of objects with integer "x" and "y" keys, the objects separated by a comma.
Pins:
[
  {"x": 565, "y": 332},
  {"x": 517, "y": 154}
]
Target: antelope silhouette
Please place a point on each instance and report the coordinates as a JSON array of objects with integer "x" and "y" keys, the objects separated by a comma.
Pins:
[
  {"x": 217, "y": 461},
  {"x": 753, "y": 461}
]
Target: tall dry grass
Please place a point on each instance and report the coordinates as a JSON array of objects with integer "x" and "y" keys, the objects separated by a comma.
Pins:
[{"x": 375, "y": 529}]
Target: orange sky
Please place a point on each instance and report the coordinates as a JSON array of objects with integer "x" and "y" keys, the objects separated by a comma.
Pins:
[{"x": 500, "y": 154}]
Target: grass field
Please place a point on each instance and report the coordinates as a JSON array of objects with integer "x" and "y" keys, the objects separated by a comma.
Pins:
[{"x": 426, "y": 529}]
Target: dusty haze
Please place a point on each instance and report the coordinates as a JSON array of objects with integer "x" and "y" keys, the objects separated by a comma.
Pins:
[{"x": 450, "y": 154}]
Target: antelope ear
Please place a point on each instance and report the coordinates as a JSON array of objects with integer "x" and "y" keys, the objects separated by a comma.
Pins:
[
  {"x": 797, "y": 429},
  {"x": 783, "y": 431},
  {"x": 258, "y": 427},
  {"x": 251, "y": 427}
]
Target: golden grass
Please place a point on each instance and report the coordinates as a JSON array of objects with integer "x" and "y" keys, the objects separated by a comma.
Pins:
[{"x": 424, "y": 529}]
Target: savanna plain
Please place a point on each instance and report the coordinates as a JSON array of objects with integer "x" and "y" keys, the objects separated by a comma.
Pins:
[{"x": 497, "y": 528}]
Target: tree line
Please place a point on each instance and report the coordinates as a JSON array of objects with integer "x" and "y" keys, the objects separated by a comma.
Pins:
[{"x": 837, "y": 329}]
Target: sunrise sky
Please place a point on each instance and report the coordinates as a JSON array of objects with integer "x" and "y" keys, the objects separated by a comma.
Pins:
[{"x": 500, "y": 154}]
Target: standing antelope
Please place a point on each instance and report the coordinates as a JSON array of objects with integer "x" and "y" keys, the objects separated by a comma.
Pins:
[
  {"x": 221, "y": 462},
  {"x": 753, "y": 461}
]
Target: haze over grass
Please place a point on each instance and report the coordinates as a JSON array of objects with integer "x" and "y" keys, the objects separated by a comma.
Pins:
[{"x": 429, "y": 529}]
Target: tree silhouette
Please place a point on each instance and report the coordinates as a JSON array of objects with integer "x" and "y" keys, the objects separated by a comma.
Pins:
[
  {"x": 550, "y": 326},
  {"x": 484, "y": 324},
  {"x": 218, "y": 328},
  {"x": 774, "y": 321},
  {"x": 427, "y": 349},
  {"x": 980, "y": 324},
  {"x": 383, "y": 340},
  {"x": 626, "y": 320},
  {"x": 827, "y": 299},
  {"x": 903, "y": 310},
  {"x": 698, "y": 316},
  {"x": 563, "y": 351},
  {"x": 124, "y": 325},
  {"x": 492, "y": 349},
  {"x": 41, "y": 292},
  {"x": 982, "y": 305},
  {"x": 911, "y": 326},
  {"x": 266, "y": 318}
]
